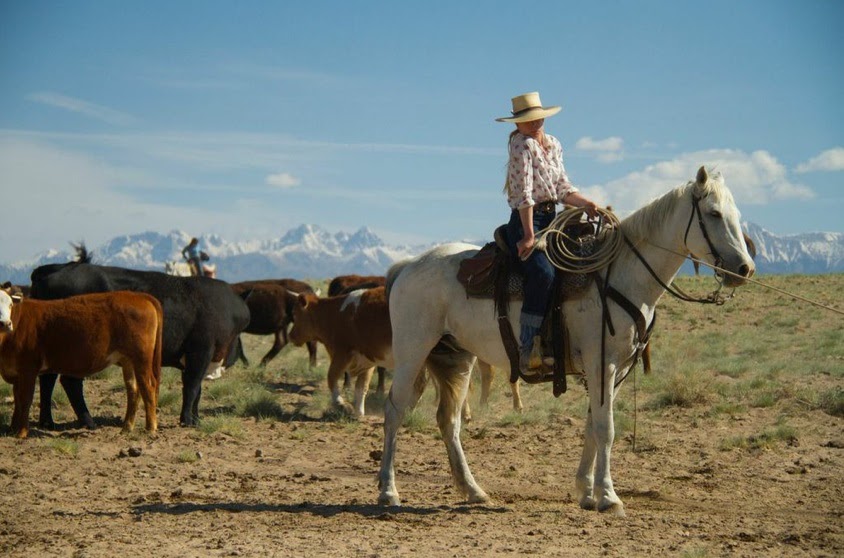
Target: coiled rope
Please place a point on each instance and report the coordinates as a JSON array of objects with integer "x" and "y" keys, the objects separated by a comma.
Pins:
[{"x": 584, "y": 254}]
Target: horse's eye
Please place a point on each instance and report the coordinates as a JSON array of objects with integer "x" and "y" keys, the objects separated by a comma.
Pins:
[{"x": 715, "y": 214}]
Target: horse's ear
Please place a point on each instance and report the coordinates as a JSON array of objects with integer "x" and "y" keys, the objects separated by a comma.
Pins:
[{"x": 702, "y": 177}]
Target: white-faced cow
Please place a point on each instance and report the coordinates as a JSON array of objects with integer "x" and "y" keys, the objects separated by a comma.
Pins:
[
  {"x": 81, "y": 336},
  {"x": 202, "y": 318}
]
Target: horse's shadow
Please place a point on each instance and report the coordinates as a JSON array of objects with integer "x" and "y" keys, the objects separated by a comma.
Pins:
[{"x": 373, "y": 511}]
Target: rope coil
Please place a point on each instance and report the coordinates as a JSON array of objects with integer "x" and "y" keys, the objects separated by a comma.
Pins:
[{"x": 584, "y": 254}]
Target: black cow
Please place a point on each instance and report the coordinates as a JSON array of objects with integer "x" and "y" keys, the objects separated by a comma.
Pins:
[{"x": 202, "y": 317}]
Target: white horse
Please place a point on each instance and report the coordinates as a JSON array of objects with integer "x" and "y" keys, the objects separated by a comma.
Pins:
[{"x": 427, "y": 302}]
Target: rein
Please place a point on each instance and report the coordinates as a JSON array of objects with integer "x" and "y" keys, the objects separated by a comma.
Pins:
[{"x": 643, "y": 330}]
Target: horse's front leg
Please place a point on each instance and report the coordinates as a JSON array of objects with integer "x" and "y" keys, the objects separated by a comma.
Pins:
[
  {"x": 585, "y": 481},
  {"x": 602, "y": 436}
]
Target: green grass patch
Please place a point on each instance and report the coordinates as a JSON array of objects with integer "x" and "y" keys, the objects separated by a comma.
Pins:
[
  {"x": 418, "y": 420},
  {"x": 686, "y": 389},
  {"x": 224, "y": 424},
  {"x": 261, "y": 405},
  {"x": 64, "y": 446},
  {"x": 187, "y": 456},
  {"x": 767, "y": 439}
]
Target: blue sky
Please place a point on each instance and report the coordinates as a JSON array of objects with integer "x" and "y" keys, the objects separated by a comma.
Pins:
[{"x": 249, "y": 118}]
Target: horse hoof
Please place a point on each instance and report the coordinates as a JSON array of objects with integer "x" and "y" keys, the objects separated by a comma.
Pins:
[
  {"x": 615, "y": 508},
  {"x": 389, "y": 499},
  {"x": 587, "y": 503},
  {"x": 481, "y": 498},
  {"x": 87, "y": 422}
]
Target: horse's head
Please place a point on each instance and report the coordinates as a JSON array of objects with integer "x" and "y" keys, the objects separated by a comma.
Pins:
[{"x": 714, "y": 232}]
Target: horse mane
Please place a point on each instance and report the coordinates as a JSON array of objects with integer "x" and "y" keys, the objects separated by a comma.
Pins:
[{"x": 639, "y": 224}]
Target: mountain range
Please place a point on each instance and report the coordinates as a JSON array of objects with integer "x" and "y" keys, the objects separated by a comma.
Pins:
[{"x": 310, "y": 252}]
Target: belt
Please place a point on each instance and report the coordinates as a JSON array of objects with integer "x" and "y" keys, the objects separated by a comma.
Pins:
[{"x": 545, "y": 207}]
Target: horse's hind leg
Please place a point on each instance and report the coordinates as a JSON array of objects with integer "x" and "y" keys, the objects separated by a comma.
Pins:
[
  {"x": 404, "y": 393},
  {"x": 452, "y": 372}
]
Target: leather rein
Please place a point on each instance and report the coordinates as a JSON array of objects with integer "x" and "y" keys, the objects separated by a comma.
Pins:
[{"x": 643, "y": 328}]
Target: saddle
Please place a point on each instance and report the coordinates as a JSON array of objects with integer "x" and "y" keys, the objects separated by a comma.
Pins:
[{"x": 493, "y": 274}]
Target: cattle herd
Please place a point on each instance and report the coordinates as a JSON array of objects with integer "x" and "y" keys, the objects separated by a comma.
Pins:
[{"x": 77, "y": 318}]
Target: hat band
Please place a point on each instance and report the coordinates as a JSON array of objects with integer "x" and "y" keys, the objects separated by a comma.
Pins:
[{"x": 525, "y": 111}]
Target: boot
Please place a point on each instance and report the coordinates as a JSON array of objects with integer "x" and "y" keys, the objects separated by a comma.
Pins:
[{"x": 530, "y": 360}]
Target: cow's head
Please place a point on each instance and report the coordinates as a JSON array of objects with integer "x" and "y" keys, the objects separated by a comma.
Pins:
[
  {"x": 303, "y": 328},
  {"x": 9, "y": 296}
]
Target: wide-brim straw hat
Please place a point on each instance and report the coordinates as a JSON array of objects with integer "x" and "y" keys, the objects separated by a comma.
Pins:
[{"x": 529, "y": 107}]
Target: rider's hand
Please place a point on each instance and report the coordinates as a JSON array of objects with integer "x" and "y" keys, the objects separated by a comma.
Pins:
[{"x": 524, "y": 245}]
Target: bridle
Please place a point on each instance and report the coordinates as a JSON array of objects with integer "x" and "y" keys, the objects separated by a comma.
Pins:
[
  {"x": 643, "y": 329},
  {"x": 696, "y": 210}
]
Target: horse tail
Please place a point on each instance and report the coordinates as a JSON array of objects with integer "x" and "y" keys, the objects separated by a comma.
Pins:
[{"x": 82, "y": 253}]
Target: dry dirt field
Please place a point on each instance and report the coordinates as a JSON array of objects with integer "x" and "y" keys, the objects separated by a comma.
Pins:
[{"x": 739, "y": 452}]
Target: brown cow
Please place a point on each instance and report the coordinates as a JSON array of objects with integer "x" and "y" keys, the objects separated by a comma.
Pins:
[
  {"x": 81, "y": 336},
  {"x": 344, "y": 284},
  {"x": 271, "y": 304},
  {"x": 355, "y": 330}
]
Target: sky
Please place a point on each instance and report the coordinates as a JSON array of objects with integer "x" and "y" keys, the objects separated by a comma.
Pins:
[{"x": 247, "y": 119}]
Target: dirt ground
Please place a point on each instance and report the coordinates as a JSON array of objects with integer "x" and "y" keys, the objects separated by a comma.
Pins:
[{"x": 307, "y": 487}]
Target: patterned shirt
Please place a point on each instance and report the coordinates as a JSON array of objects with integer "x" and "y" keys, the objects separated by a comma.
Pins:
[{"x": 534, "y": 174}]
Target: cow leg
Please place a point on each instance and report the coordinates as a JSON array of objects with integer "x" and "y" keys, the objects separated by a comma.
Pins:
[
  {"x": 73, "y": 388},
  {"x": 382, "y": 372},
  {"x": 24, "y": 391},
  {"x": 131, "y": 396},
  {"x": 312, "y": 349},
  {"x": 487, "y": 375},
  {"x": 453, "y": 372},
  {"x": 335, "y": 371},
  {"x": 47, "y": 382},
  {"x": 347, "y": 380},
  {"x": 278, "y": 345},
  {"x": 361, "y": 387},
  {"x": 148, "y": 386},
  {"x": 196, "y": 364}
]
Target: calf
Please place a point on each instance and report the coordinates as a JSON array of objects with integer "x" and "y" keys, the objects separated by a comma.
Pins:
[
  {"x": 81, "y": 336},
  {"x": 271, "y": 304},
  {"x": 344, "y": 284},
  {"x": 355, "y": 330}
]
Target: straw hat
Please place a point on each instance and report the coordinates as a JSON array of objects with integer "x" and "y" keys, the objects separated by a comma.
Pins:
[{"x": 528, "y": 107}]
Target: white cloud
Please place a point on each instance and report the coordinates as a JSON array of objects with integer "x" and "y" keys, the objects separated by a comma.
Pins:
[
  {"x": 609, "y": 150},
  {"x": 613, "y": 143},
  {"x": 829, "y": 160},
  {"x": 99, "y": 112},
  {"x": 755, "y": 178},
  {"x": 282, "y": 180},
  {"x": 56, "y": 196}
]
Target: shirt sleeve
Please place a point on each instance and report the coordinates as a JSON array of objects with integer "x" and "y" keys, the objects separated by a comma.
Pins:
[
  {"x": 520, "y": 175},
  {"x": 562, "y": 185}
]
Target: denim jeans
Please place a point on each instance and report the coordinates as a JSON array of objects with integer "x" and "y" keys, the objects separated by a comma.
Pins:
[{"x": 538, "y": 271}]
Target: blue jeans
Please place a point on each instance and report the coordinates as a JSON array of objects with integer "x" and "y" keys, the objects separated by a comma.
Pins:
[{"x": 538, "y": 271}]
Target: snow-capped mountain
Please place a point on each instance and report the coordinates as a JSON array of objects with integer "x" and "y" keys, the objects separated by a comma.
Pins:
[{"x": 309, "y": 251}]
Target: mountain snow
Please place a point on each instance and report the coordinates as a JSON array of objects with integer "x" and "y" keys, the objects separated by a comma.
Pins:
[{"x": 309, "y": 251}]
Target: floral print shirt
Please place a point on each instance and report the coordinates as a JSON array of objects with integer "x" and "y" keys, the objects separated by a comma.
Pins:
[{"x": 536, "y": 174}]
